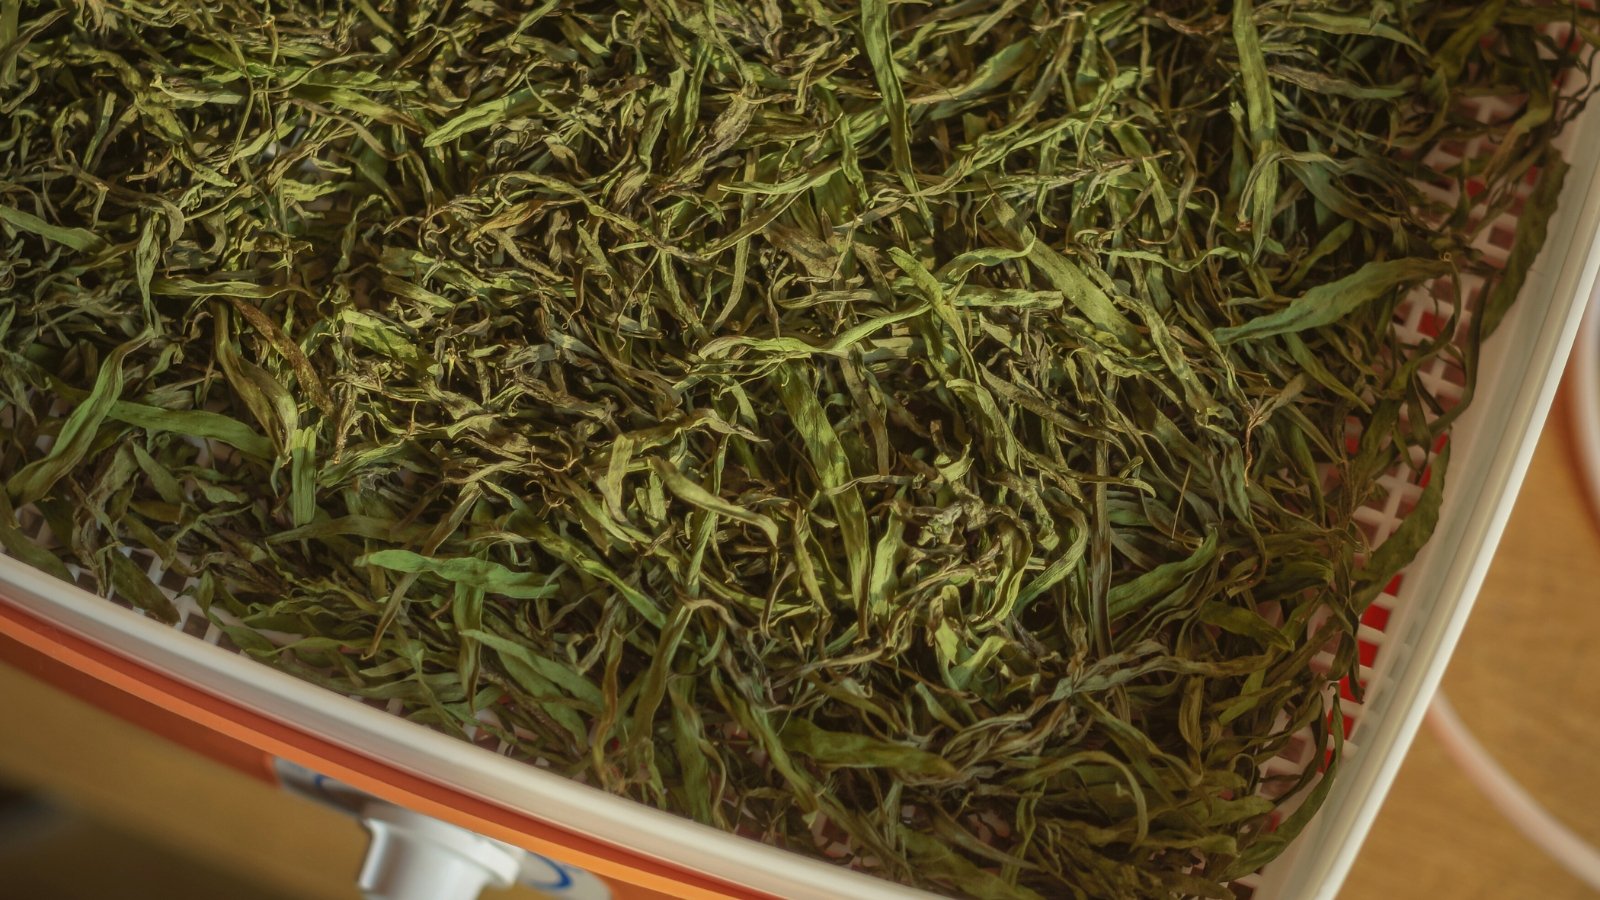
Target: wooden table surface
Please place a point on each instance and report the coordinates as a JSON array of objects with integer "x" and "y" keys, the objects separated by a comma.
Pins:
[{"x": 1526, "y": 679}]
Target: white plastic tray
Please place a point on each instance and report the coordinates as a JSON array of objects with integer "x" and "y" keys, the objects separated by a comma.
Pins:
[{"x": 1492, "y": 444}]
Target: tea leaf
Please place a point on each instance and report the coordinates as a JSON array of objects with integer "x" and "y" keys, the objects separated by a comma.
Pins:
[
  {"x": 831, "y": 748},
  {"x": 82, "y": 240},
  {"x": 476, "y": 573},
  {"x": 694, "y": 494},
  {"x": 78, "y": 432},
  {"x": 1328, "y": 303}
]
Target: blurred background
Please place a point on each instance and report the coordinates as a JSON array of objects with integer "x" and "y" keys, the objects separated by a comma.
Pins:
[{"x": 91, "y": 807}]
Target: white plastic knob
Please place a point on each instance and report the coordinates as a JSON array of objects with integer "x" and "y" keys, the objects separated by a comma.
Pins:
[{"x": 414, "y": 857}]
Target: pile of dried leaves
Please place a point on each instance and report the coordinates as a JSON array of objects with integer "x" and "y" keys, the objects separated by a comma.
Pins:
[{"x": 920, "y": 425}]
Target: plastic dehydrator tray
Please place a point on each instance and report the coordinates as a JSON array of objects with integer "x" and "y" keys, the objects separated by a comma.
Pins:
[{"x": 1405, "y": 637}]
